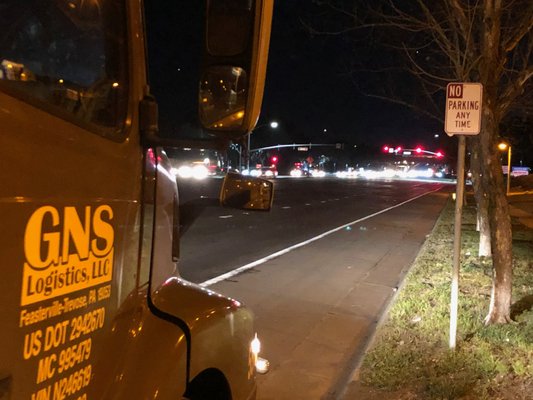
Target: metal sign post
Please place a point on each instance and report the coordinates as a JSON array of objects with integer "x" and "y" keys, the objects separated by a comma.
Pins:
[
  {"x": 459, "y": 196},
  {"x": 463, "y": 117}
]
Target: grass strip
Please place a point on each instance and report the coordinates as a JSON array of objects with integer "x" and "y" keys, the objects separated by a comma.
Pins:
[{"x": 410, "y": 358}]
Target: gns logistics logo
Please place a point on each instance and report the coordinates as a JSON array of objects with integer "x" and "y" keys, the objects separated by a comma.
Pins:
[{"x": 66, "y": 251}]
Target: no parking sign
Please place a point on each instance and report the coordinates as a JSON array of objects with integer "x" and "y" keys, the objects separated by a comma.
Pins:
[{"x": 463, "y": 108}]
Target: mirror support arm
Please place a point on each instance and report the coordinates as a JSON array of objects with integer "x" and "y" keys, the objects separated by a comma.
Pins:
[{"x": 148, "y": 120}]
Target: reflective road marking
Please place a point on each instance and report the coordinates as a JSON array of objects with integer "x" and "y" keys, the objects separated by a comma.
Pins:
[{"x": 253, "y": 264}]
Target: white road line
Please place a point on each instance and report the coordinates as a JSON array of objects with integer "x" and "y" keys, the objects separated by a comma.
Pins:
[
  {"x": 225, "y": 216},
  {"x": 253, "y": 264}
]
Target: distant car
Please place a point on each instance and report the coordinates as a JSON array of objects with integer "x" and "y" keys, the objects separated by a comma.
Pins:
[
  {"x": 300, "y": 169},
  {"x": 348, "y": 173},
  {"x": 318, "y": 173},
  {"x": 264, "y": 172},
  {"x": 196, "y": 170},
  {"x": 298, "y": 172},
  {"x": 268, "y": 172}
]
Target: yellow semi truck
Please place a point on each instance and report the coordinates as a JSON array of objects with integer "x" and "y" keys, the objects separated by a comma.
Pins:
[{"x": 92, "y": 305}]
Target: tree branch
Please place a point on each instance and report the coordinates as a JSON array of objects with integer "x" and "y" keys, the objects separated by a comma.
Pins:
[
  {"x": 514, "y": 90},
  {"x": 399, "y": 101},
  {"x": 522, "y": 29}
]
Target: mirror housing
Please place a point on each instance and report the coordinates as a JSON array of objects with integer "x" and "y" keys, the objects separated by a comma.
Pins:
[
  {"x": 234, "y": 68},
  {"x": 148, "y": 118},
  {"x": 246, "y": 192}
]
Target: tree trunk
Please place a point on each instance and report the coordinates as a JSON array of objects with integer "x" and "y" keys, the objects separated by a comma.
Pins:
[
  {"x": 502, "y": 258},
  {"x": 500, "y": 224},
  {"x": 491, "y": 69},
  {"x": 480, "y": 195}
]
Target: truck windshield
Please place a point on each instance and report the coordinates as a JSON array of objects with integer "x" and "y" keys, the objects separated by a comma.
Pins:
[{"x": 67, "y": 57}]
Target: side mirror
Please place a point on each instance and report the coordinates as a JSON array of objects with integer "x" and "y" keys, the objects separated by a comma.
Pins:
[
  {"x": 235, "y": 58},
  {"x": 247, "y": 193}
]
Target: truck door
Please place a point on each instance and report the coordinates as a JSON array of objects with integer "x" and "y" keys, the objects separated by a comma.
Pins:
[{"x": 69, "y": 194}]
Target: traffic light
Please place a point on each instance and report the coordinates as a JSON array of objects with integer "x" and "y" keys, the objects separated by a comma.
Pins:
[
  {"x": 418, "y": 150},
  {"x": 274, "y": 159}
]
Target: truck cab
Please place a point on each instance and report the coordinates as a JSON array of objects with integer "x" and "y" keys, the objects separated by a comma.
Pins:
[{"x": 92, "y": 305}]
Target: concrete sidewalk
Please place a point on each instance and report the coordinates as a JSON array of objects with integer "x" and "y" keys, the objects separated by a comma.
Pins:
[{"x": 317, "y": 307}]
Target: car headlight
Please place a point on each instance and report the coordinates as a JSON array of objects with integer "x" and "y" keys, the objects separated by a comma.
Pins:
[
  {"x": 296, "y": 172},
  {"x": 200, "y": 172},
  {"x": 184, "y": 171}
]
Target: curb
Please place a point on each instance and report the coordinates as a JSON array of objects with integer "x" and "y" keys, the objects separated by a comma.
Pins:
[{"x": 358, "y": 357}]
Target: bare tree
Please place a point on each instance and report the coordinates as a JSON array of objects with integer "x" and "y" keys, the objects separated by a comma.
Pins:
[{"x": 486, "y": 41}]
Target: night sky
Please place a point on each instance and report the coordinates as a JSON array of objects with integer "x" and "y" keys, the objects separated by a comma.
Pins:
[{"x": 309, "y": 87}]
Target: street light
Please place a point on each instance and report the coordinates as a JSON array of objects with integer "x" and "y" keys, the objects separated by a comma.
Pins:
[
  {"x": 273, "y": 125},
  {"x": 505, "y": 146}
]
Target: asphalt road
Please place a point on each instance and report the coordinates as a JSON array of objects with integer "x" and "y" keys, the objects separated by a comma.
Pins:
[
  {"x": 316, "y": 306},
  {"x": 216, "y": 240}
]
